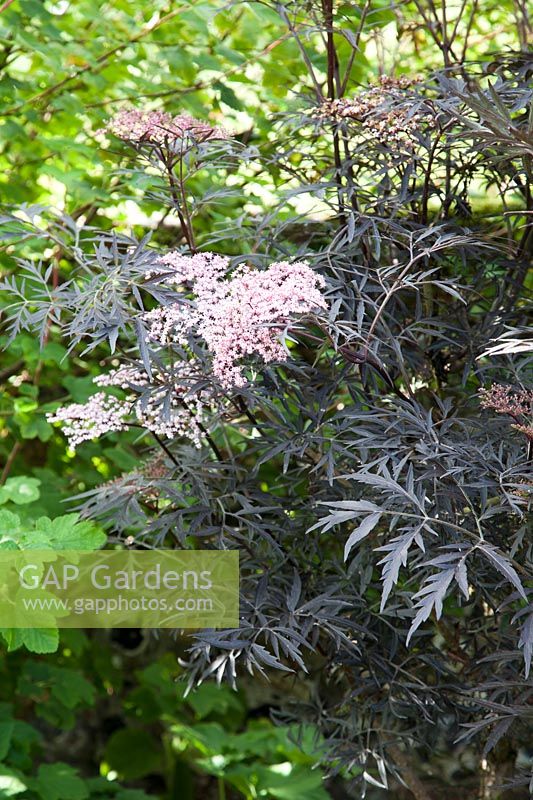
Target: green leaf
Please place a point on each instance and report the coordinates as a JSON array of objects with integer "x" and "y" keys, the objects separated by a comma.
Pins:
[
  {"x": 60, "y": 782},
  {"x": 25, "y": 735},
  {"x": 36, "y": 640},
  {"x": 9, "y": 525},
  {"x": 209, "y": 738},
  {"x": 53, "y": 351},
  {"x": 67, "y": 533},
  {"x": 36, "y": 428},
  {"x": 287, "y": 782},
  {"x": 228, "y": 96},
  {"x": 6, "y": 732},
  {"x": 210, "y": 697},
  {"x": 71, "y": 688},
  {"x": 77, "y": 641},
  {"x": 133, "y": 753},
  {"x": 20, "y": 490},
  {"x": 11, "y": 782}
]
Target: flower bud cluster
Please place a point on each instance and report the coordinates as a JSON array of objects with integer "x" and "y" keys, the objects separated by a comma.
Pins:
[
  {"x": 382, "y": 112},
  {"x": 159, "y": 127},
  {"x": 507, "y": 400},
  {"x": 516, "y": 403}
]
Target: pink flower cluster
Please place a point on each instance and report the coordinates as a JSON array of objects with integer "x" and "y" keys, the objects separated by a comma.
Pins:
[
  {"x": 125, "y": 377},
  {"x": 505, "y": 400},
  {"x": 82, "y": 422},
  {"x": 203, "y": 270},
  {"x": 237, "y": 316},
  {"x": 159, "y": 127},
  {"x": 518, "y": 404},
  {"x": 383, "y": 111},
  {"x": 182, "y": 420},
  {"x": 104, "y": 413}
]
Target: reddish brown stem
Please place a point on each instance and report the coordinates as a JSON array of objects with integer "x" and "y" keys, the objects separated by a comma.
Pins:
[{"x": 9, "y": 463}]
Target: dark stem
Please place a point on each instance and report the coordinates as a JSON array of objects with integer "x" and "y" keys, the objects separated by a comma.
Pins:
[
  {"x": 412, "y": 780},
  {"x": 205, "y": 432},
  {"x": 332, "y": 72},
  {"x": 241, "y": 406},
  {"x": 427, "y": 178},
  {"x": 163, "y": 447},
  {"x": 355, "y": 48},
  {"x": 9, "y": 463},
  {"x": 177, "y": 192}
]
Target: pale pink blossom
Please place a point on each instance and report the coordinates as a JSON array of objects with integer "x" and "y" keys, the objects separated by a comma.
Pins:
[
  {"x": 125, "y": 377},
  {"x": 202, "y": 270},
  {"x": 171, "y": 324},
  {"x": 182, "y": 418},
  {"x": 82, "y": 422},
  {"x": 384, "y": 112},
  {"x": 104, "y": 413},
  {"x": 237, "y": 316}
]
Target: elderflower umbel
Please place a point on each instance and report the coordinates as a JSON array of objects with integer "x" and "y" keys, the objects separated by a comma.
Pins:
[
  {"x": 179, "y": 419},
  {"x": 505, "y": 400},
  {"x": 381, "y": 110},
  {"x": 517, "y": 403},
  {"x": 165, "y": 410},
  {"x": 159, "y": 127},
  {"x": 123, "y": 377},
  {"x": 237, "y": 316},
  {"x": 82, "y": 422}
]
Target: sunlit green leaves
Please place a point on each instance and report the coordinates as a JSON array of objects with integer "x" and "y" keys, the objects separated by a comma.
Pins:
[
  {"x": 35, "y": 640},
  {"x": 20, "y": 490},
  {"x": 11, "y": 782},
  {"x": 62, "y": 533}
]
